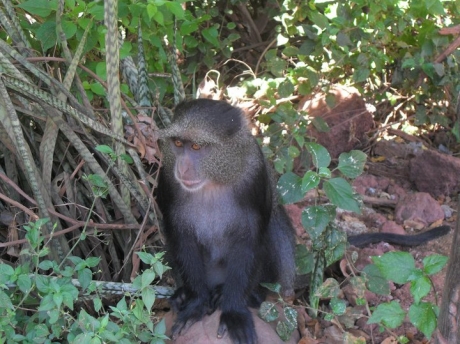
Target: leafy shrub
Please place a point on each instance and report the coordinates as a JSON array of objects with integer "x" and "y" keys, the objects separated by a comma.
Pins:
[{"x": 59, "y": 315}]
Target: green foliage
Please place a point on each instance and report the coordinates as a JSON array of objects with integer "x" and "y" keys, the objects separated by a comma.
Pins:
[
  {"x": 400, "y": 268},
  {"x": 269, "y": 312},
  {"x": 328, "y": 243},
  {"x": 58, "y": 316},
  {"x": 388, "y": 49}
]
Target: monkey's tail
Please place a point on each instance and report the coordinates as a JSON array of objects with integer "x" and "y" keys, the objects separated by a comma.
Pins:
[{"x": 398, "y": 239}]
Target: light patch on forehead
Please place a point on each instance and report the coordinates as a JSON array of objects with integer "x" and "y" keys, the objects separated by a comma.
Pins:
[{"x": 189, "y": 132}]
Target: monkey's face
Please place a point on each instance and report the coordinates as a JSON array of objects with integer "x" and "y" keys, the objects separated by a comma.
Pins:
[{"x": 189, "y": 159}]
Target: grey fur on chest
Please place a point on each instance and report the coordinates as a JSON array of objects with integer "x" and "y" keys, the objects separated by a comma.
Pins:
[{"x": 218, "y": 214}]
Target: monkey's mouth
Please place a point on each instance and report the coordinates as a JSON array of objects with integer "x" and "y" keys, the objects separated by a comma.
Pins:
[{"x": 191, "y": 184}]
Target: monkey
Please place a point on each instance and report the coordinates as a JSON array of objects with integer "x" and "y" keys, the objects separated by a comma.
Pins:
[{"x": 224, "y": 229}]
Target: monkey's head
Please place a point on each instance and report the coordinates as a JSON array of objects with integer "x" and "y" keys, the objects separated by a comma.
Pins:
[{"x": 206, "y": 144}]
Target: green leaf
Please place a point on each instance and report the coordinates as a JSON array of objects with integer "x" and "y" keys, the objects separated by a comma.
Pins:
[
  {"x": 105, "y": 149},
  {"x": 188, "y": 27},
  {"x": 310, "y": 181},
  {"x": 338, "y": 306},
  {"x": 284, "y": 330},
  {"x": 420, "y": 115},
  {"x": 54, "y": 316},
  {"x": 340, "y": 193},
  {"x": 291, "y": 316},
  {"x": 293, "y": 152},
  {"x": 361, "y": 74},
  {"x": 351, "y": 164},
  {"x": 146, "y": 258},
  {"x": 268, "y": 311},
  {"x": 303, "y": 260},
  {"x": 320, "y": 124},
  {"x": 359, "y": 286},
  {"x": 315, "y": 219},
  {"x": 92, "y": 261},
  {"x": 97, "y": 180},
  {"x": 126, "y": 158},
  {"x": 211, "y": 34},
  {"x": 376, "y": 282},
  {"x": 285, "y": 89},
  {"x": 159, "y": 18},
  {"x": 390, "y": 314},
  {"x": 329, "y": 289},
  {"x": 57, "y": 298},
  {"x": 98, "y": 89},
  {"x": 286, "y": 327},
  {"x": 319, "y": 19},
  {"x": 423, "y": 316},
  {"x": 290, "y": 188},
  {"x": 68, "y": 299},
  {"x": 435, "y": 7},
  {"x": 6, "y": 270},
  {"x": 160, "y": 328},
  {"x": 24, "y": 283},
  {"x": 97, "y": 302},
  {"x": 69, "y": 28},
  {"x": 307, "y": 47},
  {"x": 420, "y": 288},
  {"x": 5, "y": 301},
  {"x": 343, "y": 39},
  {"x": 42, "y": 283},
  {"x": 148, "y": 296},
  {"x": 84, "y": 277},
  {"x": 151, "y": 10},
  {"x": 148, "y": 276},
  {"x": 46, "y": 33},
  {"x": 176, "y": 8},
  {"x": 159, "y": 268},
  {"x": 396, "y": 266},
  {"x": 324, "y": 172},
  {"x": 434, "y": 263},
  {"x": 320, "y": 155},
  {"x": 46, "y": 265},
  {"x": 42, "y": 8}
]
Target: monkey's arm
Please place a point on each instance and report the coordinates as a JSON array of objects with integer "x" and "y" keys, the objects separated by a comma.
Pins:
[{"x": 398, "y": 239}]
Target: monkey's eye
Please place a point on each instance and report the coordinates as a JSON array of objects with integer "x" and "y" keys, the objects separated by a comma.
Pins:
[
  {"x": 178, "y": 143},
  {"x": 196, "y": 146}
]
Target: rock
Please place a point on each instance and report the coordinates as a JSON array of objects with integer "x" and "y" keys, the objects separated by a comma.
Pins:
[
  {"x": 370, "y": 185},
  {"x": 348, "y": 120},
  {"x": 294, "y": 212},
  {"x": 448, "y": 211},
  {"x": 396, "y": 191},
  {"x": 205, "y": 331},
  {"x": 418, "y": 208},
  {"x": 393, "y": 227},
  {"x": 435, "y": 173}
]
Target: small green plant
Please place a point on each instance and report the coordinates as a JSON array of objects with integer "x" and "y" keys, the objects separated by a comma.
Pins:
[
  {"x": 400, "y": 268},
  {"x": 269, "y": 311},
  {"x": 39, "y": 308},
  {"x": 328, "y": 242}
]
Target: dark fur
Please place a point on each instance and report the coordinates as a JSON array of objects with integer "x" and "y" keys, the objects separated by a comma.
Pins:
[{"x": 398, "y": 239}]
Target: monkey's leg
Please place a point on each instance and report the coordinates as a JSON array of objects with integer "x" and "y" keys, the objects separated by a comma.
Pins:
[
  {"x": 192, "y": 299},
  {"x": 236, "y": 319}
]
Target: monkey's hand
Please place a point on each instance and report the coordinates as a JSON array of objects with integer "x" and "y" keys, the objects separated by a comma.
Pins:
[
  {"x": 189, "y": 311},
  {"x": 239, "y": 325},
  {"x": 178, "y": 300}
]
